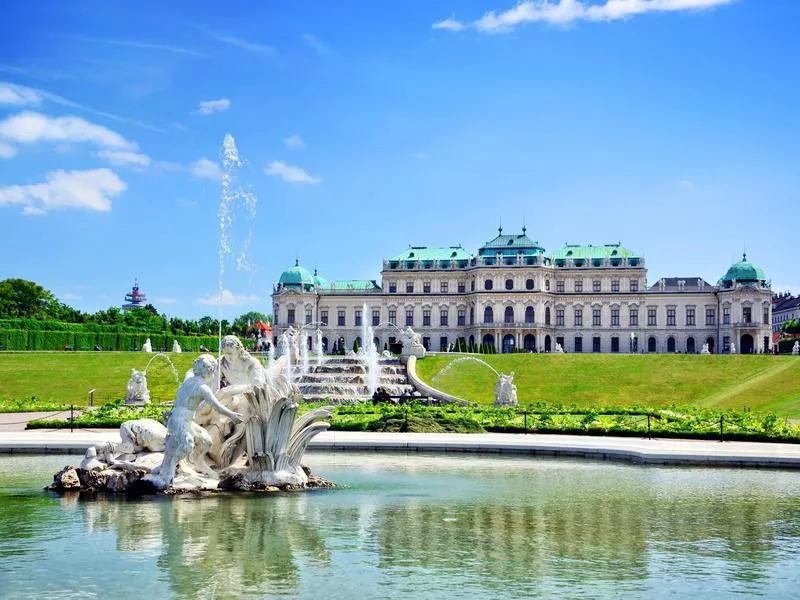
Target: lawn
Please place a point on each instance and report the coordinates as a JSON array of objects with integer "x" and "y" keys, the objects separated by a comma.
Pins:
[
  {"x": 67, "y": 377},
  {"x": 763, "y": 383}
]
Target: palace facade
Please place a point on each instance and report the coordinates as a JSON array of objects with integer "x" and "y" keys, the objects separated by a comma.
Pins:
[{"x": 513, "y": 295}]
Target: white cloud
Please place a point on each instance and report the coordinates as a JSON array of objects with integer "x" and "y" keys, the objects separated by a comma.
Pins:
[
  {"x": 91, "y": 189},
  {"x": 450, "y": 24},
  {"x": 18, "y": 95},
  {"x": 320, "y": 47},
  {"x": 7, "y": 151},
  {"x": 242, "y": 43},
  {"x": 205, "y": 168},
  {"x": 278, "y": 168},
  {"x": 125, "y": 158},
  {"x": 294, "y": 142},
  {"x": 32, "y": 127},
  {"x": 229, "y": 299},
  {"x": 564, "y": 12},
  {"x": 209, "y": 107}
]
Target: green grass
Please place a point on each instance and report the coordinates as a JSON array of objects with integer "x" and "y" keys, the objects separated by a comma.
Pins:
[
  {"x": 58, "y": 378},
  {"x": 762, "y": 383}
]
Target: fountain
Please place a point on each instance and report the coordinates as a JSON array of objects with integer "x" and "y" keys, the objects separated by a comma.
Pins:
[
  {"x": 137, "y": 392},
  {"x": 176, "y": 347},
  {"x": 147, "y": 346},
  {"x": 796, "y": 348},
  {"x": 318, "y": 344},
  {"x": 505, "y": 392}
]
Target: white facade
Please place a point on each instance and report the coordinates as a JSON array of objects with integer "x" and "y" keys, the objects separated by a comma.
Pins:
[{"x": 586, "y": 298}]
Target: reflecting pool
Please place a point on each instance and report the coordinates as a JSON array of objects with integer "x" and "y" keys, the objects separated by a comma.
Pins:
[{"x": 414, "y": 526}]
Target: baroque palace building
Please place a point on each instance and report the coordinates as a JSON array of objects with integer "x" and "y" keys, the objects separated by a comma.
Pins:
[{"x": 514, "y": 295}]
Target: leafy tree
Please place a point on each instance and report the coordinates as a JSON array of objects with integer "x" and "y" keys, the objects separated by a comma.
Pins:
[
  {"x": 355, "y": 345},
  {"x": 20, "y": 298},
  {"x": 240, "y": 324}
]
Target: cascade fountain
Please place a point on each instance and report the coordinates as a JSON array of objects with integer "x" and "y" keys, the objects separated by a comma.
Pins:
[
  {"x": 505, "y": 392},
  {"x": 318, "y": 347},
  {"x": 304, "y": 362}
]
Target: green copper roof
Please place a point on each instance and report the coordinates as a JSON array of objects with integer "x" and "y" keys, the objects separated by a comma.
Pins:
[
  {"x": 744, "y": 271},
  {"x": 297, "y": 275},
  {"x": 320, "y": 281},
  {"x": 433, "y": 253},
  {"x": 511, "y": 244},
  {"x": 574, "y": 251},
  {"x": 351, "y": 284}
]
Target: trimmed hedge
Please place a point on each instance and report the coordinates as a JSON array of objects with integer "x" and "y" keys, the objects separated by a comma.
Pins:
[{"x": 39, "y": 339}]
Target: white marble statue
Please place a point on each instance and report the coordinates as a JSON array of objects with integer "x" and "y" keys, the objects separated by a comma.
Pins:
[
  {"x": 136, "y": 437},
  {"x": 412, "y": 345},
  {"x": 176, "y": 347},
  {"x": 147, "y": 346},
  {"x": 137, "y": 392},
  {"x": 705, "y": 349},
  {"x": 733, "y": 348},
  {"x": 559, "y": 349},
  {"x": 185, "y": 438},
  {"x": 796, "y": 348},
  {"x": 505, "y": 392}
]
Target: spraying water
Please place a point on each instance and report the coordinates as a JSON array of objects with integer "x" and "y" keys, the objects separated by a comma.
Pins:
[
  {"x": 318, "y": 349},
  {"x": 286, "y": 350},
  {"x": 304, "y": 354},
  {"x": 163, "y": 356},
  {"x": 457, "y": 361},
  {"x": 373, "y": 367}
]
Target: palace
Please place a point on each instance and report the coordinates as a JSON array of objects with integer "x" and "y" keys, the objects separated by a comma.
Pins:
[{"x": 515, "y": 296}]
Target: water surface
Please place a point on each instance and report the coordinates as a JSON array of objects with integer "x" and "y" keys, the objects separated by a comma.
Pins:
[{"x": 421, "y": 526}]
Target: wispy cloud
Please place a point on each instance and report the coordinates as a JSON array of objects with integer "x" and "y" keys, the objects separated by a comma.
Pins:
[
  {"x": 278, "y": 168},
  {"x": 91, "y": 189},
  {"x": 232, "y": 40},
  {"x": 320, "y": 47},
  {"x": 294, "y": 142},
  {"x": 143, "y": 45},
  {"x": 564, "y": 12},
  {"x": 229, "y": 299},
  {"x": 125, "y": 158},
  {"x": 18, "y": 95},
  {"x": 209, "y": 107},
  {"x": 205, "y": 168}
]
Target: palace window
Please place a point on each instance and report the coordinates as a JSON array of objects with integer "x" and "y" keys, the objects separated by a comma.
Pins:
[
  {"x": 726, "y": 344},
  {"x": 529, "y": 284},
  {"x": 634, "y": 285},
  {"x": 560, "y": 317},
  {"x": 547, "y": 316},
  {"x": 462, "y": 318},
  {"x": 392, "y": 317},
  {"x": 560, "y": 287},
  {"x": 596, "y": 286},
  {"x": 443, "y": 347},
  {"x": 426, "y": 318},
  {"x": 670, "y": 317},
  {"x": 409, "y": 318},
  {"x": 461, "y": 287},
  {"x": 488, "y": 284},
  {"x": 508, "y": 316},
  {"x": 690, "y": 316},
  {"x": 615, "y": 344},
  {"x": 596, "y": 344},
  {"x": 615, "y": 317},
  {"x": 443, "y": 318},
  {"x": 530, "y": 314},
  {"x": 472, "y": 316},
  {"x": 443, "y": 287},
  {"x": 509, "y": 284},
  {"x": 651, "y": 316},
  {"x": 726, "y": 315},
  {"x": 309, "y": 316},
  {"x": 547, "y": 285},
  {"x": 711, "y": 316},
  {"x": 578, "y": 344},
  {"x": 323, "y": 317},
  {"x": 634, "y": 317},
  {"x": 426, "y": 287},
  {"x": 290, "y": 317},
  {"x": 472, "y": 285},
  {"x": 766, "y": 317},
  {"x": 409, "y": 287},
  {"x": 358, "y": 318},
  {"x": 615, "y": 285},
  {"x": 747, "y": 314},
  {"x": 578, "y": 285},
  {"x": 341, "y": 319},
  {"x": 596, "y": 317},
  {"x": 578, "y": 319},
  {"x": 392, "y": 287},
  {"x": 488, "y": 315}
]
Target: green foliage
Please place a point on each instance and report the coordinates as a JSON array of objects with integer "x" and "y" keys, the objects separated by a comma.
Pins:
[
  {"x": 355, "y": 345},
  {"x": 112, "y": 414},
  {"x": 240, "y": 323}
]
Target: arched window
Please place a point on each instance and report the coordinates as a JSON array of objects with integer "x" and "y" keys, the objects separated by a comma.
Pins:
[
  {"x": 547, "y": 285},
  {"x": 547, "y": 316},
  {"x": 670, "y": 344},
  {"x": 529, "y": 284},
  {"x": 651, "y": 344},
  {"x": 509, "y": 284},
  {"x": 690, "y": 347},
  {"x": 530, "y": 315},
  {"x": 488, "y": 284},
  {"x": 508, "y": 317},
  {"x": 472, "y": 315},
  {"x": 488, "y": 315}
]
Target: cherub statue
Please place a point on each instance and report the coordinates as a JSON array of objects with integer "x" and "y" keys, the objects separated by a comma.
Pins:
[
  {"x": 505, "y": 392},
  {"x": 137, "y": 392},
  {"x": 185, "y": 437}
]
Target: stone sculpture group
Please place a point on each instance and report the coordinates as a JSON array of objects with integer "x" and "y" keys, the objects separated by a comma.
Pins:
[
  {"x": 505, "y": 392},
  {"x": 241, "y": 436}
]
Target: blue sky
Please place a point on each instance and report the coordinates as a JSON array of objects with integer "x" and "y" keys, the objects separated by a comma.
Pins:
[{"x": 669, "y": 125}]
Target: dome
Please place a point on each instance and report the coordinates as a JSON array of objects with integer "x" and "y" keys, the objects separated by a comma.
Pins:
[
  {"x": 320, "y": 281},
  {"x": 744, "y": 271},
  {"x": 296, "y": 276}
]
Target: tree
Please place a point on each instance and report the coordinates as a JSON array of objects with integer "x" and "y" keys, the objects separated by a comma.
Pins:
[
  {"x": 241, "y": 323},
  {"x": 355, "y": 345},
  {"x": 20, "y": 298}
]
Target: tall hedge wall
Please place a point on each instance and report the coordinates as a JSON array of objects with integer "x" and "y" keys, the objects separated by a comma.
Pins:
[{"x": 41, "y": 339}]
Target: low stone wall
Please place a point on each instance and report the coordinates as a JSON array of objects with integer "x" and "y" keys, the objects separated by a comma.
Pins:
[{"x": 427, "y": 390}]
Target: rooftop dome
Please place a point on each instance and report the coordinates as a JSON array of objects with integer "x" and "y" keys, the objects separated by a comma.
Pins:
[
  {"x": 744, "y": 271},
  {"x": 296, "y": 276},
  {"x": 320, "y": 281}
]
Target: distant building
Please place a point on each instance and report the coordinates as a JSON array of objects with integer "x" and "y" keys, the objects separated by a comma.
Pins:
[
  {"x": 513, "y": 295},
  {"x": 134, "y": 299},
  {"x": 785, "y": 307}
]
